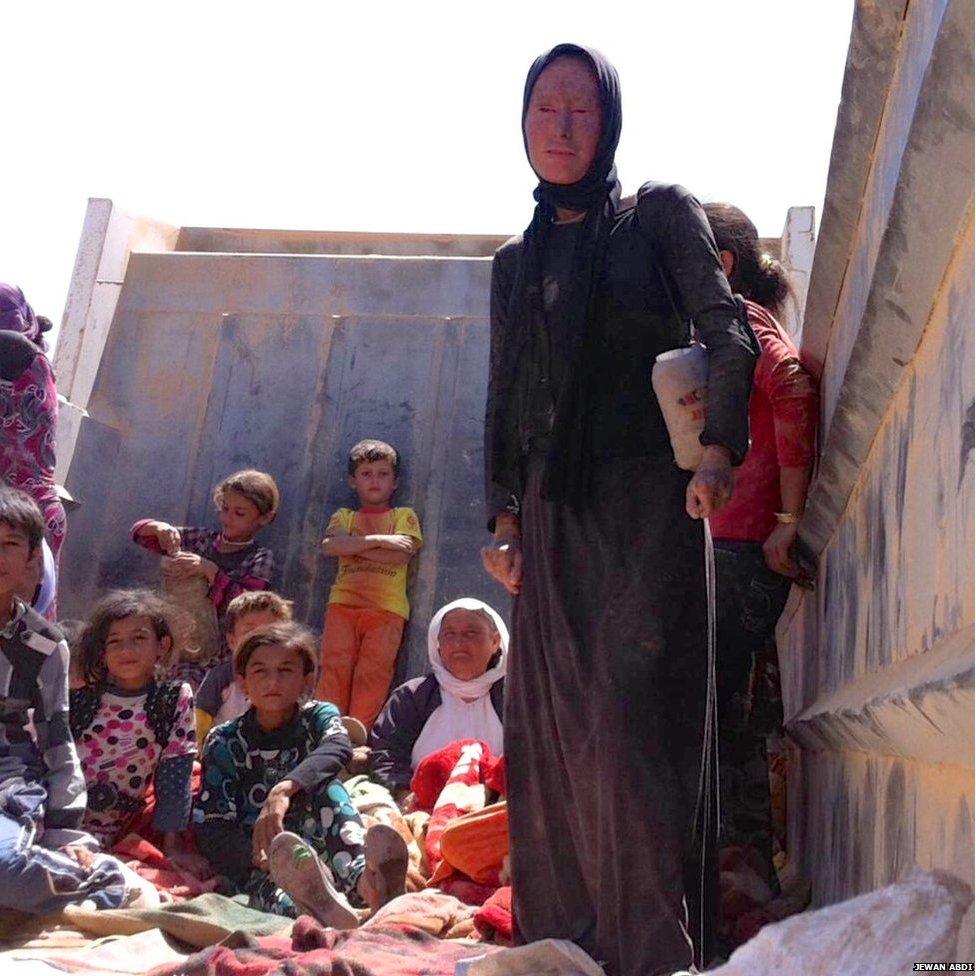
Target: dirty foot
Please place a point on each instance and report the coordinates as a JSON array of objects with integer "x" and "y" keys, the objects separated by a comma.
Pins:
[
  {"x": 386, "y": 866},
  {"x": 296, "y": 869}
]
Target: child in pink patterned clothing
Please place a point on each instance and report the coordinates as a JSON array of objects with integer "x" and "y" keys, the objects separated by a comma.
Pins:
[{"x": 131, "y": 729}]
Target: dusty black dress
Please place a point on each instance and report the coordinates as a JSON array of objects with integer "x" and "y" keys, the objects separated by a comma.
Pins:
[{"x": 605, "y": 698}]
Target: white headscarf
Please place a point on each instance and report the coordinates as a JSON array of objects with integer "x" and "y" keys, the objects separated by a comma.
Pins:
[
  {"x": 476, "y": 687},
  {"x": 466, "y": 710}
]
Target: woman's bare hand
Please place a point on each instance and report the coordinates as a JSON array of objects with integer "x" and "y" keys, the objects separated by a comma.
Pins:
[
  {"x": 778, "y": 550},
  {"x": 503, "y": 561},
  {"x": 711, "y": 486}
]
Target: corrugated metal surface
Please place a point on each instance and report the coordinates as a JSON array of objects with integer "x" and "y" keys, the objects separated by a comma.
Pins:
[
  {"x": 878, "y": 661},
  {"x": 193, "y": 384}
]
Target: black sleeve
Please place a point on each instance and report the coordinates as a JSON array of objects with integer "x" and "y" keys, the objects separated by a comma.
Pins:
[
  {"x": 690, "y": 257},
  {"x": 497, "y": 695},
  {"x": 332, "y": 752},
  {"x": 392, "y": 738},
  {"x": 227, "y": 847},
  {"x": 218, "y": 810},
  {"x": 499, "y": 495}
]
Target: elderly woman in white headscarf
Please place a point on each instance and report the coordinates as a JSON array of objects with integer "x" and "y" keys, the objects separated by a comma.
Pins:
[{"x": 467, "y": 643}]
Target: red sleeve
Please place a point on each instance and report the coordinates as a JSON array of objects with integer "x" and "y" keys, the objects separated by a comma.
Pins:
[{"x": 790, "y": 389}]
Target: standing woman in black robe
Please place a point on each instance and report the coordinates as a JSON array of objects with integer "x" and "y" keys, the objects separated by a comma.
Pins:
[{"x": 600, "y": 536}]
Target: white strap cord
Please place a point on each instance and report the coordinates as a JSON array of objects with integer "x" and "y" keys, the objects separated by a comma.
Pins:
[{"x": 708, "y": 814}]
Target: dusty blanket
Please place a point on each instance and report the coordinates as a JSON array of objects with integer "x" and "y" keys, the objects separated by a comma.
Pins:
[
  {"x": 466, "y": 890},
  {"x": 452, "y": 782},
  {"x": 547, "y": 957},
  {"x": 880, "y": 933},
  {"x": 198, "y": 922},
  {"x": 375, "y": 804},
  {"x": 430, "y": 911},
  {"x": 39, "y": 933},
  {"x": 133, "y": 954},
  {"x": 374, "y": 950}
]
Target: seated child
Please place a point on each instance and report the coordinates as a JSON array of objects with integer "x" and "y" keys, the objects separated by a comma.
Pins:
[
  {"x": 368, "y": 604},
  {"x": 131, "y": 727},
  {"x": 46, "y": 861},
  {"x": 272, "y": 772},
  {"x": 229, "y": 559},
  {"x": 219, "y": 699}
]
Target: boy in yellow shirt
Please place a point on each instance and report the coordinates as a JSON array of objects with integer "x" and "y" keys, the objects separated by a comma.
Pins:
[{"x": 368, "y": 604}]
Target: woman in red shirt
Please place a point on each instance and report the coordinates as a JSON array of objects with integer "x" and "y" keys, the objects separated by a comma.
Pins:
[{"x": 756, "y": 532}]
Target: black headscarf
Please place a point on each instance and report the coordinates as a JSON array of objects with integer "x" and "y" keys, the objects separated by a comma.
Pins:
[
  {"x": 600, "y": 180},
  {"x": 597, "y": 194}
]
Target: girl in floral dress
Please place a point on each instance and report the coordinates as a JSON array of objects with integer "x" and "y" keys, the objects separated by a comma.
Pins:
[{"x": 131, "y": 729}]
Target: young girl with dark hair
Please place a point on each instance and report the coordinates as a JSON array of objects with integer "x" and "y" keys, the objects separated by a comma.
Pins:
[
  {"x": 753, "y": 274},
  {"x": 225, "y": 562},
  {"x": 132, "y": 728},
  {"x": 755, "y": 537}
]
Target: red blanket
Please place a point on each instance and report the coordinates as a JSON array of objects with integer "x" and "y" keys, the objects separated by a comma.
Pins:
[
  {"x": 142, "y": 822},
  {"x": 378, "y": 950},
  {"x": 494, "y": 919},
  {"x": 451, "y": 783},
  {"x": 140, "y": 849},
  {"x": 150, "y": 863}
]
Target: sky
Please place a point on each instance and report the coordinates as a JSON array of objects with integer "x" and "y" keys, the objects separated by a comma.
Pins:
[{"x": 388, "y": 116}]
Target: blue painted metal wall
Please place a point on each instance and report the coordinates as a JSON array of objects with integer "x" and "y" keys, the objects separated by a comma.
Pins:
[{"x": 218, "y": 362}]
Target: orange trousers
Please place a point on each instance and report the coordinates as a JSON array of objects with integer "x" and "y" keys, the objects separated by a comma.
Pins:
[{"x": 359, "y": 652}]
